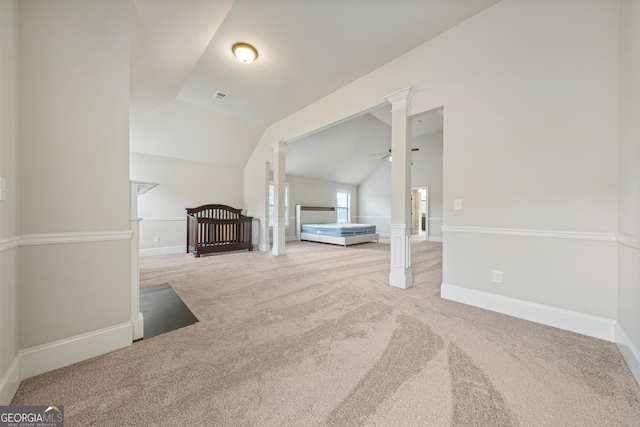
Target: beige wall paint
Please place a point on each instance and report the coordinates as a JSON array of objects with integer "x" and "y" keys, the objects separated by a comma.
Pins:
[
  {"x": 629, "y": 176},
  {"x": 9, "y": 217},
  {"x": 74, "y": 165},
  {"x": 75, "y": 289},
  {"x": 185, "y": 131},
  {"x": 375, "y": 190},
  {"x": 427, "y": 172},
  {"x": 74, "y": 113},
  {"x": 530, "y": 92},
  {"x": 374, "y": 199},
  {"x": 181, "y": 184}
]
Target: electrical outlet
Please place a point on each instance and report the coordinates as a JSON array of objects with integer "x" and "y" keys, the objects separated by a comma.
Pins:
[
  {"x": 497, "y": 276},
  {"x": 457, "y": 204},
  {"x": 156, "y": 239}
]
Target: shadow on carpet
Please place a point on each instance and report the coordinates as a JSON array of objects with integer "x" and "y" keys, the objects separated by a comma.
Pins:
[{"x": 163, "y": 310}]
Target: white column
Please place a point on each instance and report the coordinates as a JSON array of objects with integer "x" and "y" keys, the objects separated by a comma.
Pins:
[
  {"x": 264, "y": 221},
  {"x": 279, "y": 178},
  {"x": 400, "y": 227},
  {"x": 137, "y": 320}
]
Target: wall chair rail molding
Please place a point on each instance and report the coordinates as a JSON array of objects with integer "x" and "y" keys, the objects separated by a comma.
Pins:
[
  {"x": 628, "y": 241},
  {"x": 74, "y": 237},
  {"x": 553, "y": 234},
  {"x": 167, "y": 218},
  {"x": 8, "y": 243}
]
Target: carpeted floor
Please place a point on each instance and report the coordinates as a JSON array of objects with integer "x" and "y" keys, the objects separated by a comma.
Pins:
[{"x": 318, "y": 338}]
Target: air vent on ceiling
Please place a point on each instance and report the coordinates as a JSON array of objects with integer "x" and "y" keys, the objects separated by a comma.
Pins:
[{"x": 220, "y": 96}]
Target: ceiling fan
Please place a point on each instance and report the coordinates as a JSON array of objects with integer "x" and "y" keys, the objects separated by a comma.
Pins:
[{"x": 388, "y": 154}]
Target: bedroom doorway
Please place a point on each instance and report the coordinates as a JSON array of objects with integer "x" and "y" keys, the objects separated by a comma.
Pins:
[{"x": 420, "y": 211}]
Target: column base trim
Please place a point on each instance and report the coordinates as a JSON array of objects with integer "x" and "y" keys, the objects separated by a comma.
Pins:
[{"x": 137, "y": 327}]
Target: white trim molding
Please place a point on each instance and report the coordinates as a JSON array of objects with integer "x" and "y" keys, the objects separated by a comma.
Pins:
[
  {"x": 436, "y": 239},
  {"x": 75, "y": 237},
  {"x": 164, "y": 218},
  {"x": 575, "y": 235},
  {"x": 10, "y": 382},
  {"x": 54, "y": 355},
  {"x": 628, "y": 241},
  {"x": 398, "y": 99},
  {"x": 63, "y": 238},
  {"x": 8, "y": 243},
  {"x": 586, "y": 324},
  {"x": 166, "y": 250},
  {"x": 629, "y": 351}
]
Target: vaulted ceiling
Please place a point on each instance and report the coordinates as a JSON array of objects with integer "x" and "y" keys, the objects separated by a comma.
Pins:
[{"x": 181, "y": 56}]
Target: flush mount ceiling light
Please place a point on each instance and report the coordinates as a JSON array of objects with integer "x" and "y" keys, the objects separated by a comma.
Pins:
[{"x": 245, "y": 52}]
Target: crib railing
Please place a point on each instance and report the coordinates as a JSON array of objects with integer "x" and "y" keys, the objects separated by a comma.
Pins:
[{"x": 217, "y": 228}]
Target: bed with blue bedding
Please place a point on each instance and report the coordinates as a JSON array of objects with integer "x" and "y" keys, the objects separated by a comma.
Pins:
[{"x": 318, "y": 224}]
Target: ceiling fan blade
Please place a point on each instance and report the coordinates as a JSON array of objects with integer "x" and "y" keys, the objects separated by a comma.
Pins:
[
  {"x": 384, "y": 157},
  {"x": 415, "y": 149}
]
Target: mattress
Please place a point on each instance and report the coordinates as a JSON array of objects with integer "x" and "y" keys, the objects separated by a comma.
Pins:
[{"x": 339, "y": 229}]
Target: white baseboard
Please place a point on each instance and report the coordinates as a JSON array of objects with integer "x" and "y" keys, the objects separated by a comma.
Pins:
[
  {"x": 437, "y": 239},
  {"x": 47, "y": 357},
  {"x": 586, "y": 324},
  {"x": 629, "y": 351},
  {"x": 9, "y": 382},
  {"x": 166, "y": 250},
  {"x": 387, "y": 235}
]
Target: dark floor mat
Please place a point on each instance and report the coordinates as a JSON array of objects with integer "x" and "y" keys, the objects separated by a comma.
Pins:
[{"x": 163, "y": 310}]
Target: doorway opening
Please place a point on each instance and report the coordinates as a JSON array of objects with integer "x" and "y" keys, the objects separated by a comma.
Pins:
[{"x": 420, "y": 212}]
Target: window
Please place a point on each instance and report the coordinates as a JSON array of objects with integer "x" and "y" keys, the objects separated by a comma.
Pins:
[
  {"x": 343, "y": 205},
  {"x": 272, "y": 201}
]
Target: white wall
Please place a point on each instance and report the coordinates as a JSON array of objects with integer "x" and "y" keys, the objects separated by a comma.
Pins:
[
  {"x": 182, "y": 184},
  {"x": 74, "y": 179},
  {"x": 185, "y": 131},
  {"x": 374, "y": 199},
  {"x": 427, "y": 172},
  {"x": 316, "y": 192},
  {"x": 375, "y": 190},
  {"x": 530, "y": 92},
  {"x": 628, "y": 337},
  {"x": 9, "y": 226}
]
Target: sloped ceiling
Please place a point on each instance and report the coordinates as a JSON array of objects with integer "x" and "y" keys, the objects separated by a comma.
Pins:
[{"x": 181, "y": 56}]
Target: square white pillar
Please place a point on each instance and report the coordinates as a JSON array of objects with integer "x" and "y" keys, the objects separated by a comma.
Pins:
[
  {"x": 279, "y": 178},
  {"x": 264, "y": 245},
  {"x": 400, "y": 275}
]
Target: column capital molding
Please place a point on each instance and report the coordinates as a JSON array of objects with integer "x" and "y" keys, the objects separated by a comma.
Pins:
[
  {"x": 279, "y": 146},
  {"x": 398, "y": 99}
]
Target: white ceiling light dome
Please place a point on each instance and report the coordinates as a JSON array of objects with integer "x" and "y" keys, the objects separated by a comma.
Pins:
[{"x": 245, "y": 52}]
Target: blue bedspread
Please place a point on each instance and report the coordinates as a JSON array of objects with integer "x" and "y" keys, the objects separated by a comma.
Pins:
[{"x": 339, "y": 229}]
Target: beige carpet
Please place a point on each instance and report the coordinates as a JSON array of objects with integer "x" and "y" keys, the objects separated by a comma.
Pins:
[{"x": 317, "y": 338}]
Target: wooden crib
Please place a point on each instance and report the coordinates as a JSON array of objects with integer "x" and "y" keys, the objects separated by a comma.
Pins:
[{"x": 217, "y": 228}]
